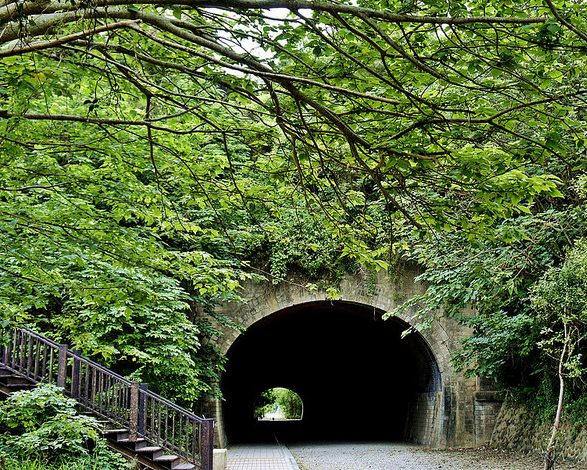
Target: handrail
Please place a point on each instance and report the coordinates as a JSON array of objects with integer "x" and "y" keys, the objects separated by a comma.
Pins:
[{"x": 123, "y": 402}]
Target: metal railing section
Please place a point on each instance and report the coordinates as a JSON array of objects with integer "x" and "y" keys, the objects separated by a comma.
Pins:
[{"x": 123, "y": 402}]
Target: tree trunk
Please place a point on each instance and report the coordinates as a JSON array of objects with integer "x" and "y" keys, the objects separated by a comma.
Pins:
[{"x": 549, "y": 456}]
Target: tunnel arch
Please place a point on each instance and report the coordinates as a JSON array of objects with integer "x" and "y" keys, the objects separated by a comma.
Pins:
[
  {"x": 357, "y": 376},
  {"x": 458, "y": 412}
]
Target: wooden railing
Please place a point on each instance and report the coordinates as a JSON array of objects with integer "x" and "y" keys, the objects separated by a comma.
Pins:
[{"x": 123, "y": 402}]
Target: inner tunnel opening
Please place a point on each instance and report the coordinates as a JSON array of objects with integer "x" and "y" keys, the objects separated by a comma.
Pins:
[
  {"x": 357, "y": 377},
  {"x": 279, "y": 404}
]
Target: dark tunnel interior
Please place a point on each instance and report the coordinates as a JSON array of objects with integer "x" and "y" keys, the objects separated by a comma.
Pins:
[{"x": 355, "y": 374}]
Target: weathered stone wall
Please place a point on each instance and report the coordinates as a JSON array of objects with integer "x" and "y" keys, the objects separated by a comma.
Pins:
[
  {"x": 487, "y": 408},
  {"x": 517, "y": 430},
  {"x": 447, "y": 417},
  {"x": 422, "y": 426}
]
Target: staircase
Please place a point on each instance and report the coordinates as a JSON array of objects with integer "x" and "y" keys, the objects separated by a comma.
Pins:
[{"x": 137, "y": 422}]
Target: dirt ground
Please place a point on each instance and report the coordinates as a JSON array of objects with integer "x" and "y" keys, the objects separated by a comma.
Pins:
[{"x": 390, "y": 456}]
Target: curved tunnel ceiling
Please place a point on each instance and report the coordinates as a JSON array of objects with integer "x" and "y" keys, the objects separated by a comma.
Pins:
[{"x": 355, "y": 374}]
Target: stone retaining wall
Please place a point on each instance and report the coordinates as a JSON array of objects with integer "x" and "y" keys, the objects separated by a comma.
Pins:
[{"x": 517, "y": 430}]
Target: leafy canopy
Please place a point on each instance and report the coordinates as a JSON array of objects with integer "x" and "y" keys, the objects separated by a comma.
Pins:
[{"x": 149, "y": 151}]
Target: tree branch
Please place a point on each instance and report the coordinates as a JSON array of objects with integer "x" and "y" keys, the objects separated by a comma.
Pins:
[{"x": 14, "y": 48}]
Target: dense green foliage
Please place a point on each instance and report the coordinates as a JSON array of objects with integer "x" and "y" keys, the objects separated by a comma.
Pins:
[
  {"x": 501, "y": 280},
  {"x": 522, "y": 291},
  {"x": 152, "y": 156},
  {"x": 42, "y": 427}
]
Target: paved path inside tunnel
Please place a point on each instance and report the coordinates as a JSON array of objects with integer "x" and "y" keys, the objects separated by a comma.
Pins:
[
  {"x": 378, "y": 456},
  {"x": 260, "y": 457}
]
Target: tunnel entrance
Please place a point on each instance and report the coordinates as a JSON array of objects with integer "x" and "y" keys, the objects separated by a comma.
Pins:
[{"x": 355, "y": 374}]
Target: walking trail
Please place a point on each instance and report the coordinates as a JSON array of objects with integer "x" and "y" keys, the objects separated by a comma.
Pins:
[{"x": 378, "y": 456}]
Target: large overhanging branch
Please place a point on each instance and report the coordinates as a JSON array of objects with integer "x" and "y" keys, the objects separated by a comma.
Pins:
[
  {"x": 15, "y": 48},
  {"x": 5, "y": 114},
  {"x": 252, "y": 66},
  {"x": 12, "y": 10}
]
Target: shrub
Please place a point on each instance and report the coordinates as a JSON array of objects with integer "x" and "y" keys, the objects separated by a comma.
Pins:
[{"x": 43, "y": 425}]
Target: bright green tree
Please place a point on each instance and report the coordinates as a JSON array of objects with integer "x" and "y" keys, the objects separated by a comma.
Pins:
[{"x": 560, "y": 299}]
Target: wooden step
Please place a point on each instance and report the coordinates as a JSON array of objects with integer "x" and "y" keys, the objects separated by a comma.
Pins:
[
  {"x": 116, "y": 430},
  {"x": 163, "y": 458},
  {"x": 18, "y": 387},
  {"x": 122, "y": 436},
  {"x": 183, "y": 466},
  {"x": 137, "y": 442},
  {"x": 148, "y": 449},
  {"x": 16, "y": 380},
  {"x": 116, "y": 434}
]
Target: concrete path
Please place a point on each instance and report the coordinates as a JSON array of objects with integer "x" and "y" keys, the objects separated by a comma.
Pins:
[{"x": 260, "y": 457}]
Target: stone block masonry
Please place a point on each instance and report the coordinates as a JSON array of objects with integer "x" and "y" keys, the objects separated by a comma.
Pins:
[
  {"x": 445, "y": 409},
  {"x": 422, "y": 422},
  {"x": 519, "y": 429},
  {"x": 487, "y": 407}
]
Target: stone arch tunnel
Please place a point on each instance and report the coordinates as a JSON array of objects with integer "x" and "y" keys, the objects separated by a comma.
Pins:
[{"x": 357, "y": 377}]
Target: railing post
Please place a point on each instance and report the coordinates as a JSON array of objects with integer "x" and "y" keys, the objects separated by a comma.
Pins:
[
  {"x": 142, "y": 409},
  {"x": 134, "y": 411},
  {"x": 207, "y": 443},
  {"x": 62, "y": 365},
  {"x": 7, "y": 348},
  {"x": 19, "y": 340},
  {"x": 75, "y": 374}
]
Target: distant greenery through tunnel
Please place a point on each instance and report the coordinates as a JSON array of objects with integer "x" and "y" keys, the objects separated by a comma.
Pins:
[{"x": 278, "y": 404}]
